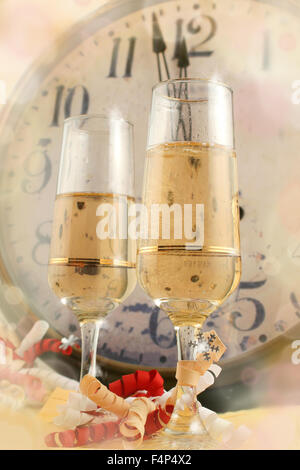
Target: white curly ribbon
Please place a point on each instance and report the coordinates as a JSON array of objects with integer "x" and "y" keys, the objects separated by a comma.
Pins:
[
  {"x": 2, "y": 353},
  {"x": 205, "y": 381},
  {"x": 52, "y": 379},
  {"x": 14, "y": 404},
  {"x": 208, "y": 378},
  {"x": 7, "y": 332},
  {"x": 7, "y": 358},
  {"x": 162, "y": 400},
  {"x": 72, "y": 414},
  {"x": 11, "y": 396},
  {"x": 35, "y": 335},
  {"x": 223, "y": 430}
]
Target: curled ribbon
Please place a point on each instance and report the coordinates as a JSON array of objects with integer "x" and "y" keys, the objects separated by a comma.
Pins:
[
  {"x": 11, "y": 395},
  {"x": 43, "y": 346},
  {"x": 141, "y": 417},
  {"x": 132, "y": 427},
  {"x": 188, "y": 372},
  {"x": 10, "y": 335},
  {"x": 35, "y": 335},
  {"x": 99, "y": 394},
  {"x": 76, "y": 412},
  {"x": 33, "y": 386},
  {"x": 130, "y": 384},
  {"x": 84, "y": 435},
  {"x": 51, "y": 378}
]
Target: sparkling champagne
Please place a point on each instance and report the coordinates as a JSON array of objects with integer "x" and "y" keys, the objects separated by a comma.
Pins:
[
  {"x": 190, "y": 283},
  {"x": 90, "y": 275}
]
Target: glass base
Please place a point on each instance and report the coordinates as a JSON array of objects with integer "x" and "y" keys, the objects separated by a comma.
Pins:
[
  {"x": 183, "y": 432},
  {"x": 169, "y": 441}
]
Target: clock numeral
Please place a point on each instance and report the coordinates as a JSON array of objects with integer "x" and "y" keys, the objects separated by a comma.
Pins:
[
  {"x": 259, "y": 308},
  {"x": 42, "y": 234},
  {"x": 295, "y": 303},
  {"x": 67, "y": 107},
  {"x": 194, "y": 52},
  {"x": 115, "y": 54},
  {"x": 161, "y": 340},
  {"x": 38, "y": 167},
  {"x": 195, "y": 27}
]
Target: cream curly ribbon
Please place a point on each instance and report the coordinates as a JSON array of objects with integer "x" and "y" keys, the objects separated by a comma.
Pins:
[
  {"x": 133, "y": 426},
  {"x": 134, "y": 412},
  {"x": 52, "y": 379},
  {"x": 204, "y": 381},
  {"x": 35, "y": 335},
  {"x": 99, "y": 394}
]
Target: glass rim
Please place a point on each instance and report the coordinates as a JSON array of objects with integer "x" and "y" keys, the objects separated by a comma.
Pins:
[
  {"x": 207, "y": 81},
  {"x": 103, "y": 117}
]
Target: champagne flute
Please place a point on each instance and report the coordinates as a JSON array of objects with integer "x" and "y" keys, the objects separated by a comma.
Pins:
[
  {"x": 191, "y": 266},
  {"x": 92, "y": 260}
]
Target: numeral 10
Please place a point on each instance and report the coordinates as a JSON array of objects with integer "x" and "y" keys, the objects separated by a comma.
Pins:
[{"x": 64, "y": 101}]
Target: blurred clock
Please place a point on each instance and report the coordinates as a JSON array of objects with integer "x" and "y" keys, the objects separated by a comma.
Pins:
[{"x": 108, "y": 64}]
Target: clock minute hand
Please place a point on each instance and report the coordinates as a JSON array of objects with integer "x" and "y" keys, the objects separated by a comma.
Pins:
[
  {"x": 183, "y": 59},
  {"x": 159, "y": 46},
  {"x": 185, "y": 119}
]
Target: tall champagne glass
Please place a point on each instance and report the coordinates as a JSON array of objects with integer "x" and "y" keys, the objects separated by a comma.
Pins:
[
  {"x": 92, "y": 260},
  {"x": 189, "y": 267}
]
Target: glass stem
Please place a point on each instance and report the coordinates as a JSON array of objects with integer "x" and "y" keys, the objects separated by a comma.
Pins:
[
  {"x": 89, "y": 344},
  {"x": 185, "y": 419},
  {"x": 187, "y": 342},
  {"x": 187, "y": 347}
]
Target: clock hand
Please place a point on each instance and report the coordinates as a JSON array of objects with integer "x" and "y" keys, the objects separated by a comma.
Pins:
[
  {"x": 159, "y": 46},
  {"x": 183, "y": 62},
  {"x": 183, "y": 59}
]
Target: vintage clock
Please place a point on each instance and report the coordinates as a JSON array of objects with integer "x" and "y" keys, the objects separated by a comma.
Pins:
[{"x": 108, "y": 64}]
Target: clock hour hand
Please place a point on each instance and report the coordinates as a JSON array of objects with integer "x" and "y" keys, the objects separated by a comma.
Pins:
[{"x": 159, "y": 47}]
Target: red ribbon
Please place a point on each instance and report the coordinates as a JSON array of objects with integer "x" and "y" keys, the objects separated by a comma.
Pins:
[
  {"x": 39, "y": 348},
  {"x": 128, "y": 385},
  {"x": 84, "y": 435},
  {"x": 45, "y": 345},
  {"x": 10, "y": 345}
]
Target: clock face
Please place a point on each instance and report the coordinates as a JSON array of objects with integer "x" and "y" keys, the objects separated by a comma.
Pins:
[{"x": 108, "y": 65}]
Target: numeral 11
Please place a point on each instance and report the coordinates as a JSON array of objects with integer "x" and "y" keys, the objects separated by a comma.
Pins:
[{"x": 115, "y": 55}]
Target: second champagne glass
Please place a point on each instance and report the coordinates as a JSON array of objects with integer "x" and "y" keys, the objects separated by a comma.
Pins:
[
  {"x": 191, "y": 266},
  {"x": 92, "y": 259}
]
